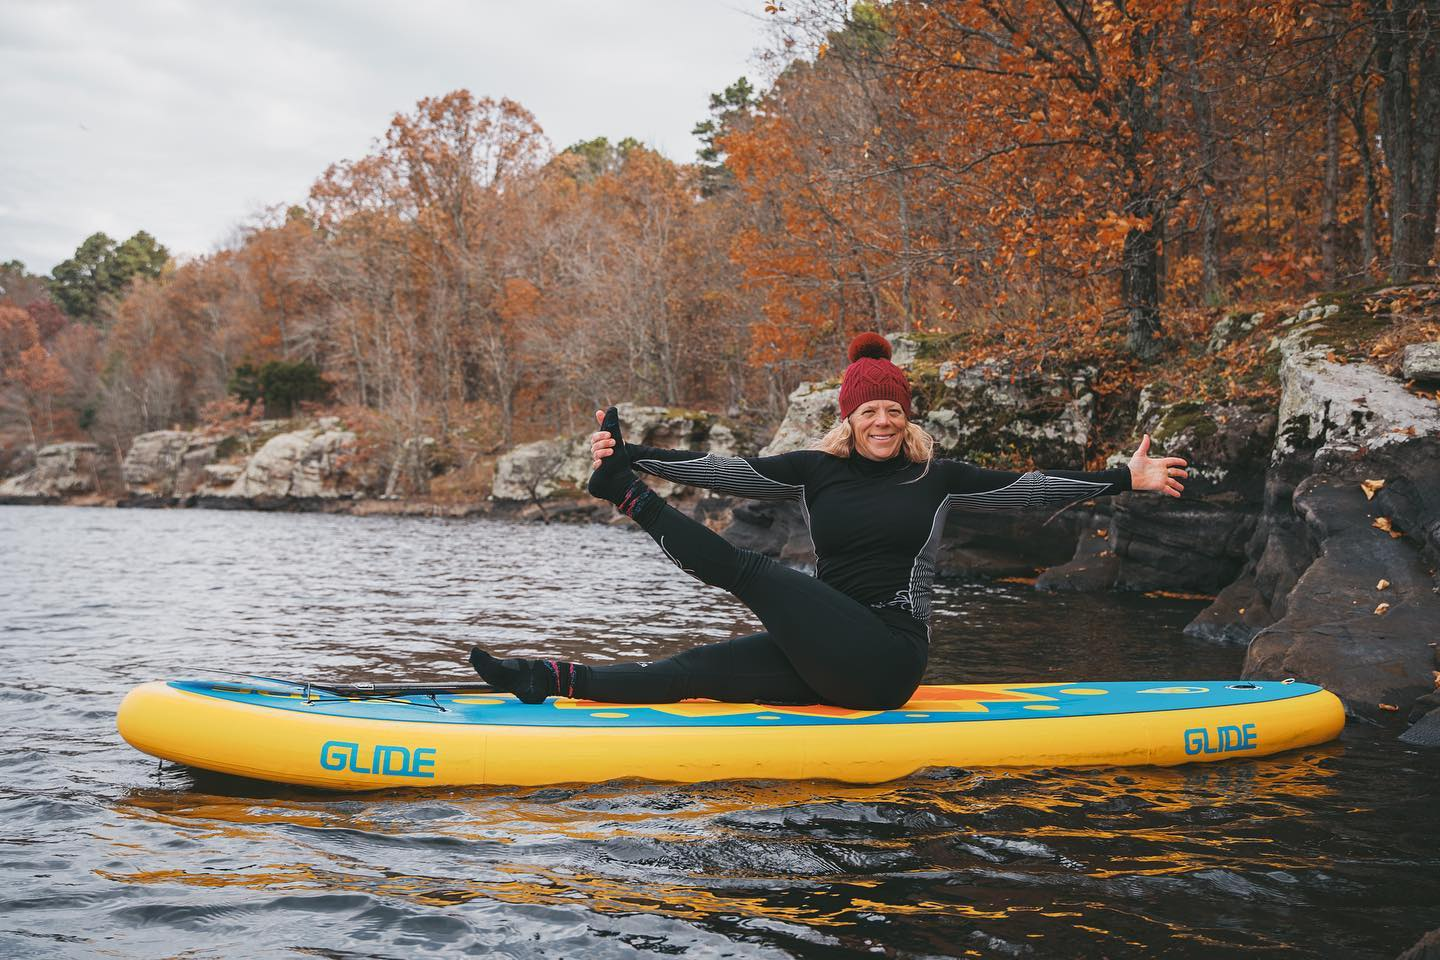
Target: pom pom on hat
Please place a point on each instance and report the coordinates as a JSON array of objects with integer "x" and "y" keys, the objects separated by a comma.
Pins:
[
  {"x": 869, "y": 345},
  {"x": 871, "y": 376}
]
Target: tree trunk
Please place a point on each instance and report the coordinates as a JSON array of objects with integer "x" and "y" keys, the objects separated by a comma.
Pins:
[
  {"x": 1427, "y": 125},
  {"x": 1140, "y": 290},
  {"x": 1140, "y": 270},
  {"x": 1204, "y": 110},
  {"x": 1330, "y": 191},
  {"x": 1405, "y": 42},
  {"x": 1372, "y": 182}
]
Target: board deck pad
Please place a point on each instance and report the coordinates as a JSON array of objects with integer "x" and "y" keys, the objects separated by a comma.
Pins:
[{"x": 930, "y": 704}]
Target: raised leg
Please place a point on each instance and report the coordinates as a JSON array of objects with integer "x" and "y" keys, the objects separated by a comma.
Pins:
[{"x": 837, "y": 650}]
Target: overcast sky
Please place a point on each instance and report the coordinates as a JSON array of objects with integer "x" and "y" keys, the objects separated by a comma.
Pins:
[{"x": 187, "y": 117}]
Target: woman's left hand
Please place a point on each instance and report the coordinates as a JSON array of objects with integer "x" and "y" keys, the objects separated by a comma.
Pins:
[{"x": 1161, "y": 474}]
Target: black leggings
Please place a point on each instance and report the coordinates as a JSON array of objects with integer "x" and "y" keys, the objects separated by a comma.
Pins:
[{"x": 820, "y": 646}]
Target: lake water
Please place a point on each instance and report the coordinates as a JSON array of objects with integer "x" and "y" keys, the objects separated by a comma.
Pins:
[{"x": 1326, "y": 852}]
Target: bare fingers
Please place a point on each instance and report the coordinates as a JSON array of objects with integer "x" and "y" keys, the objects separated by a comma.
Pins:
[{"x": 601, "y": 445}]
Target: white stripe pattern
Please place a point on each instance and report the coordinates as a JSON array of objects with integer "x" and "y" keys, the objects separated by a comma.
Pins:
[
  {"x": 732, "y": 475},
  {"x": 1031, "y": 491}
]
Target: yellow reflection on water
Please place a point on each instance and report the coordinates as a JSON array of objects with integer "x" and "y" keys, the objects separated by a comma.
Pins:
[{"x": 1130, "y": 822}]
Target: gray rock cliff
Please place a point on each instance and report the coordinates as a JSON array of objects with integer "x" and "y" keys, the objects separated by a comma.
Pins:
[{"x": 60, "y": 470}]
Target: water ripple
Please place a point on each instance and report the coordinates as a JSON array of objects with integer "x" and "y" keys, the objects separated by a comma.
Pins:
[{"x": 1323, "y": 852}]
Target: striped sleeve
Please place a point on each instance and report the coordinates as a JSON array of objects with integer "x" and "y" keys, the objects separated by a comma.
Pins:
[
  {"x": 969, "y": 487},
  {"x": 780, "y": 477}
]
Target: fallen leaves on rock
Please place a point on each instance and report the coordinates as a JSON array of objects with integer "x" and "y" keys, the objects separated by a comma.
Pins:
[
  {"x": 1383, "y": 523},
  {"x": 1380, "y": 610},
  {"x": 1371, "y": 487},
  {"x": 1383, "y": 584},
  {"x": 1389, "y": 707}
]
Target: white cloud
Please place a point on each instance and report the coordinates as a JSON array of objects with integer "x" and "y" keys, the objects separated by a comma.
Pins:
[{"x": 186, "y": 118}]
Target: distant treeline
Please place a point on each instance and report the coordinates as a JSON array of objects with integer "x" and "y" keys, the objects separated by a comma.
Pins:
[{"x": 1058, "y": 178}]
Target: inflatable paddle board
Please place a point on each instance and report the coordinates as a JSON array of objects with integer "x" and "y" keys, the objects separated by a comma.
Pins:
[{"x": 369, "y": 736}]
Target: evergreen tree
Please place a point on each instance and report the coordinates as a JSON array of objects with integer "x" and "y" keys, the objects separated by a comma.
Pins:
[
  {"x": 102, "y": 268},
  {"x": 280, "y": 385},
  {"x": 601, "y": 156},
  {"x": 725, "y": 108}
]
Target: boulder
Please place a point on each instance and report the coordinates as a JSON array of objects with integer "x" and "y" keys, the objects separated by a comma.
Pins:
[
  {"x": 774, "y": 528},
  {"x": 1002, "y": 544},
  {"x": 1367, "y": 645},
  {"x": 813, "y": 410},
  {"x": 16, "y": 460},
  {"x": 1347, "y": 422},
  {"x": 219, "y": 476},
  {"x": 1166, "y": 544},
  {"x": 1342, "y": 407},
  {"x": 543, "y": 469},
  {"x": 1227, "y": 445},
  {"x": 905, "y": 349},
  {"x": 303, "y": 464},
  {"x": 1410, "y": 497},
  {"x": 1421, "y": 361},
  {"x": 560, "y": 467},
  {"x": 988, "y": 410},
  {"x": 1235, "y": 616},
  {"x": 411, "y": 467},
  {"x": 61, "y": 470},
  {"x": 1424, "y": 732},
  {"x": 1426, "y": 948},
  {"x": 167, "y": 464},
  {"x": 1232, "y": 328},
  {"x": 1094, "y": 567},
  {"x": 1197, "y": 543}
]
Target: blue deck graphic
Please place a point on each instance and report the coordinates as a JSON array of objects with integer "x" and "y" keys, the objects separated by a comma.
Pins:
[{"x": 931, "y": 704}]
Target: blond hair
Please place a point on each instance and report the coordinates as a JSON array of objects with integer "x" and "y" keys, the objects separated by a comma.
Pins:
[{"x": 919, "y": 446}]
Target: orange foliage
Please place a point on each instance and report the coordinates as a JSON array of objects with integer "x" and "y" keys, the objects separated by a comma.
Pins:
[
  {"x": 1057, "y": 184},
  {"x": 1056, "y": 165},
  {"x": 32, "y": 379}
]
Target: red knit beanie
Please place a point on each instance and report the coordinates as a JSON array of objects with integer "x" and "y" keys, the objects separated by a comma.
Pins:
[{"x": 871, "y": 376}]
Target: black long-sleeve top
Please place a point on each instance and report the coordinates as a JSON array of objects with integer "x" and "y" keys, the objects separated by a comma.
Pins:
[{"x": 876, "y": 525}]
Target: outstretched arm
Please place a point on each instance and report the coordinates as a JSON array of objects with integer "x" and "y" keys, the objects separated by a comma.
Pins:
[
  {"x": 756, "y": 478},
  {"x": 975, "y": 488}
]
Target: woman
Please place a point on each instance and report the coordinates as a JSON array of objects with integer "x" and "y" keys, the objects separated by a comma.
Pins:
[{"x": 856, "y": 634}]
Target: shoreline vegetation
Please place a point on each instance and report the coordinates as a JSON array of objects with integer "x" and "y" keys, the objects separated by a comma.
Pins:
[{"x": 1212, "y": 223}]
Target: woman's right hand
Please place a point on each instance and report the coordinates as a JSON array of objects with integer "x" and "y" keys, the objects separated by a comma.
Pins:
[{"x": 601, "y": 443}]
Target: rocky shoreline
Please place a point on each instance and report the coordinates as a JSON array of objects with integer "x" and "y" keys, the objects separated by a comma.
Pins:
[{"x": 1315, "y": 525}]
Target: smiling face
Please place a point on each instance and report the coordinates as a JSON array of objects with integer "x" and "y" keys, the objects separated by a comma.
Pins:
[{"x": 879, "y": 427}]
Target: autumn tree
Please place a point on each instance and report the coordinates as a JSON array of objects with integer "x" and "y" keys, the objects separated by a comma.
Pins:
[
  {"x": 281, "y": 298},
  {"x": 843, "y": 229},
  {"x": 21, "y": 287},
  {"x": 440, "y": 176},
  {"x": 32, "y": 379},
  {"x": 631, "y": 297}
]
